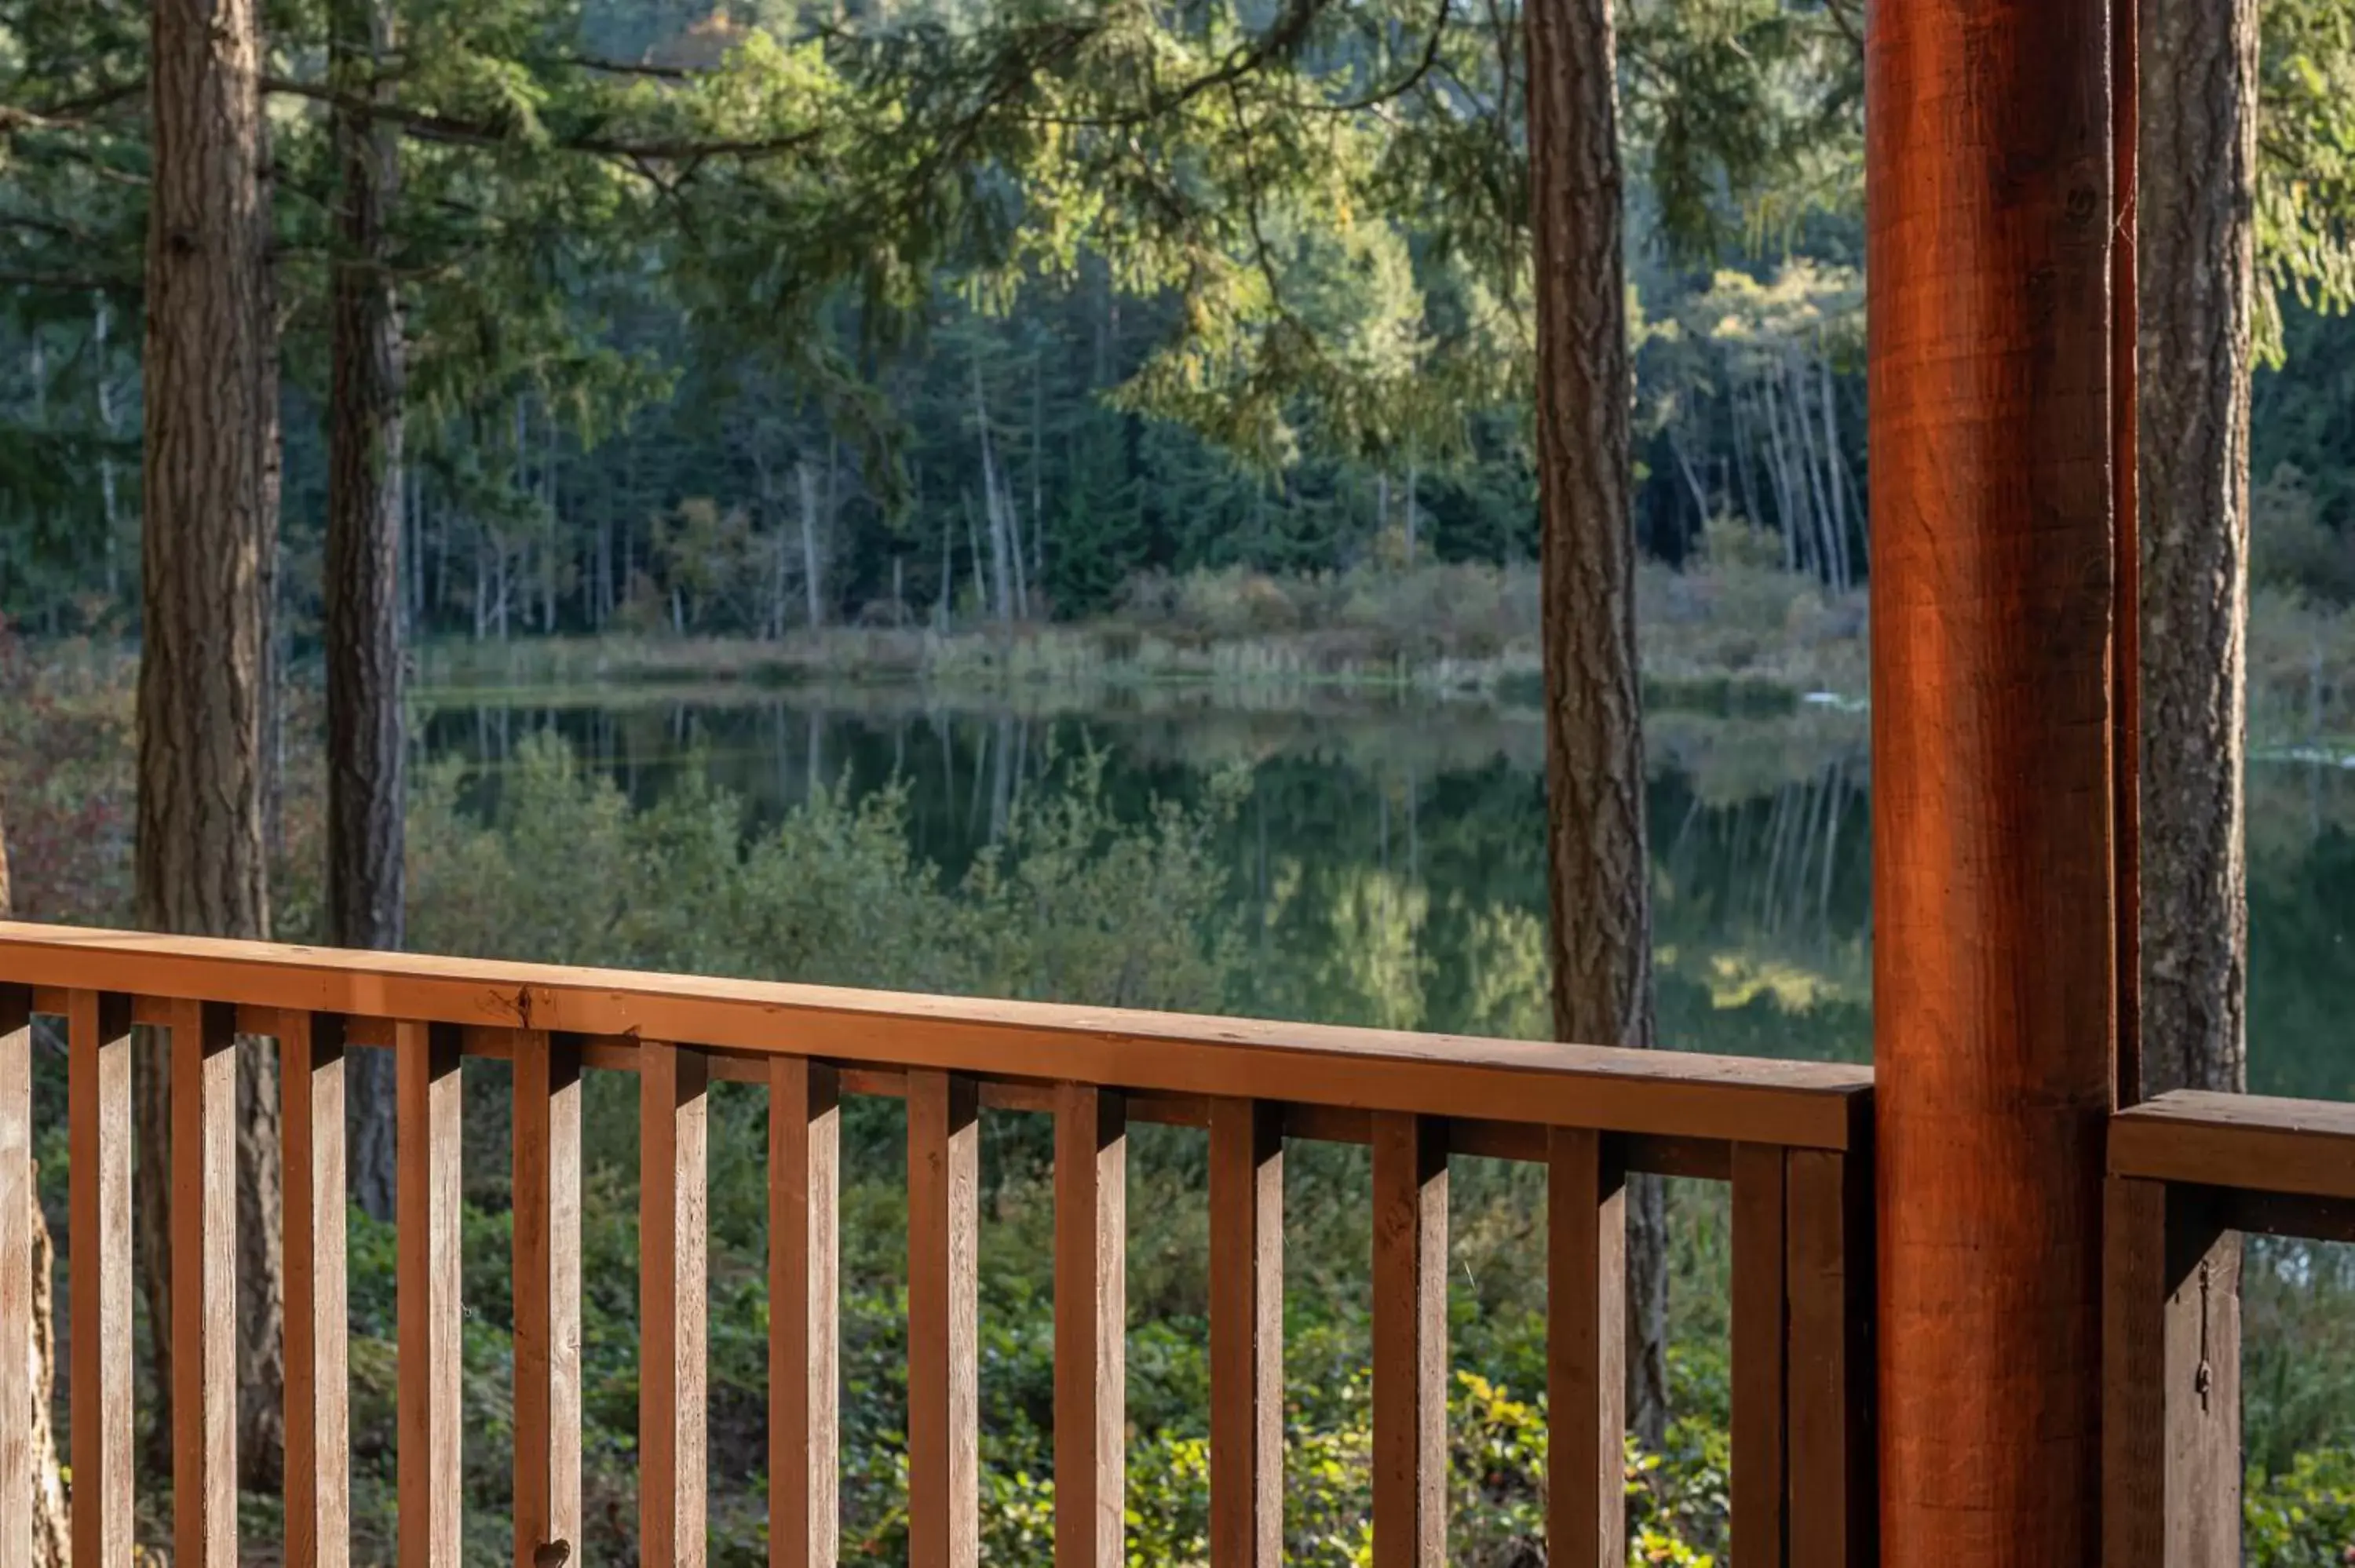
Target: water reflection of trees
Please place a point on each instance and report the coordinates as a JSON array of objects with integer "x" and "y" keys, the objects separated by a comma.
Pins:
[{"x": 1388, "y": 863}]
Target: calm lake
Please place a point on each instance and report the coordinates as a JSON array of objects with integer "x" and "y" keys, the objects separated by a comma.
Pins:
[{"x": 1387, "y": 865}]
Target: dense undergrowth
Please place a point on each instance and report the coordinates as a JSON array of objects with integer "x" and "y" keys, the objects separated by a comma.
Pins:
[{"x": 1077, "y": 900}]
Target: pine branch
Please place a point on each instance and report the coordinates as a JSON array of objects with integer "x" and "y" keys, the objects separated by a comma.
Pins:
[
  {"x": 68, "y": 114},
  {"x": 429, "y": 126}
]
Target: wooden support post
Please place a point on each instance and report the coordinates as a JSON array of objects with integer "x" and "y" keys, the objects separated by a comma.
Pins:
[
  {"x": 1828, "y": 1372},
  {"x": 1988, "y": 196},
  {"x": 1758, "y": 1527},
  {"x": 1586, "y": 1352},
  {"x": 2171, "y": 1404}
]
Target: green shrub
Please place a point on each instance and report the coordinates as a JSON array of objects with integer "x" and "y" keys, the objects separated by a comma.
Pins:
[{"x": 2303, "y": 1517}]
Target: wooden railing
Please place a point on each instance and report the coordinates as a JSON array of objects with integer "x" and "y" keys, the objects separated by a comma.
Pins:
[
  {"x": 1790, "y": 1138},
  {"x": 2189, "y": 1174}
]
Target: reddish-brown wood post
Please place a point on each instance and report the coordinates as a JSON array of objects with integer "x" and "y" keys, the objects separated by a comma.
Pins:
[{"x": 1990, "y": 215}]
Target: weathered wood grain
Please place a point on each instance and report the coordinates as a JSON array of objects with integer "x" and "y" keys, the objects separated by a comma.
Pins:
[
  {"x": 673, "y": 1298},
  {"x": 97, "y": 1027},
  {"x": 1586, "y": 1350},
  {"x": 943, "y": 1341},
  {"x": 1410, "y": 1335},
  {"x": 1091, "y": 1327},
  {"x": 546, "y": 1267},
  {"x": 427, "y": 1105},
  {"x": 204, "y": 1285},
  {"x": 318, "y": 1328},
  {"x": 804, "y": 1304},
  {"x": 1246, "y": 1334}
]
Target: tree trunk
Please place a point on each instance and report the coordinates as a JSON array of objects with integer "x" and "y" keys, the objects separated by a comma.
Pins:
[
  {"x": 1038, "y": 483},
  {"x": 1744, "y": 466},
  {"x": 1836, "y": 472},
  {"x": 365, "y": 793},
  {"x": 1786, "y": 492},
  {"x": 993, "y": 501},
  {"x": 110, "y": 421},
  {"x": 2195, "y": 250},
  {"x": 2198, "y": 170},
  {"x": 210, "y": 438},
  {"x": 813, "y": 584},
  {"x": 52, "y": 1526},
  {"x": 1413, "y": 478},
  {"x": 1013, "y": 548},
  {"x": 1601, "y": 926},
  {"x": 948, "y": 573}
]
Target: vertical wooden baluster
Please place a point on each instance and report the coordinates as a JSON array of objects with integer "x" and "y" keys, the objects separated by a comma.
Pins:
[
  {"x": 1091, "y": 1327},
  {"x": 1246, "y": 1334},
  {"x": 97, "y": 1028},
  {"x": 1410, "y": 1448},
  {"x": 16, "y": 1293},
  {"x": 319, "y": 1427},
  {"x": 805, "y": 1341},
  {"x": 1758, "y": 1527},
  {"x": 672, "y": 1424},
  {"x": 2134, "y": 1372},
  {"x": 943, "y": 1352},
  {"x": 426, "y": 1142},
  {"x": 1826, "y": 1283},
  {"x": 204, "y": 1284},
  {"x": 547, "y": 1293},
  {"x": 1586, "y": 1349},
  {"x": 2171, "y": 1414}
]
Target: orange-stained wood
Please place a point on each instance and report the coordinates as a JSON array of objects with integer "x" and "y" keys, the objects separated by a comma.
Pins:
[
  {"x": 672, "y": 1290},
  {"x": 1758, "y": 1530},
  {"x": 1586, "y": 1350},
  {"x": 1678, "y": 1094},
  {"x": 204, "y": 1285},
  {"x": 318, "y": 1330},
  {"x": 547, "y": 1292},
  {"x": 16, "y": 1294},
  {"x": 804, "y": 1333},
  {"x": 1410, "y": 1335},
  {"x": 426, "y": 1143},
  {"x": 1246, "y": 1334},
  {"x": 1989, "y": 229},
  {"x": 98, "y": 1034},
  {"x": 943, "y": 1342},
  {"x": 2125, "y": 443},
  {"x": 1091, "y": 1327},
  {"x": 1822, "y": 1106}
]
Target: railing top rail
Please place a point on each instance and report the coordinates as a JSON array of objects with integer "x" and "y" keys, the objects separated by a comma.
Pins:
[
  {"x": 2251, "y": 1142},
  {"x": 1794, "y": 1104}
]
